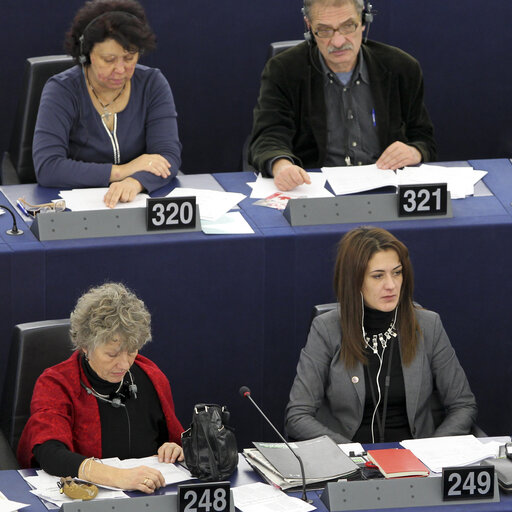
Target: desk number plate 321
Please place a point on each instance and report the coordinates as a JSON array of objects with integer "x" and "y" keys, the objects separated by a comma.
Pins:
[
  {"x": 422, "y": 200},
  {"x": 204, "y": 497},
  {"x": 468, "y": 483},
  {"x": 169, "y": 213}
]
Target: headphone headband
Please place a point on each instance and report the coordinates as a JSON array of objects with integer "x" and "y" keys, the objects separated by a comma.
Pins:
[
  {"x": 82, "y": 58},
  {"x": 366, "y": 18}
]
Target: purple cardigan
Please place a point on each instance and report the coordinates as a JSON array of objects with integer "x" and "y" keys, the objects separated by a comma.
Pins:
[{"x": 72, "y": 147}]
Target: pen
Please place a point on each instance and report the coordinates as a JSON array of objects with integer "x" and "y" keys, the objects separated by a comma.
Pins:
[
  {"x": 22, "y": 208},
  {"x": 373, "y": 118}
]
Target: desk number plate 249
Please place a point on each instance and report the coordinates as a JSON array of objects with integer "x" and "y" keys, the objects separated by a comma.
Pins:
[{"x": 468, "y": 483}]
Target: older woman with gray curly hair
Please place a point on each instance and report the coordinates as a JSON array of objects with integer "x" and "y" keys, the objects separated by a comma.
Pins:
[{"x": 105, "y": 401}]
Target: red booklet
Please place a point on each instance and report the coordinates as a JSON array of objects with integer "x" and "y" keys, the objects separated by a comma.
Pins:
[{"x": 397, "y": 462}]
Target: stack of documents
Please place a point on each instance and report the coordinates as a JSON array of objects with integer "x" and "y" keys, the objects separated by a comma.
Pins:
[
  {"x": 322, "y": 458},
  {"x": 45, "y": 486},
  {"x": 350, "y": 180},
  {"x": 442, "y": 452}
]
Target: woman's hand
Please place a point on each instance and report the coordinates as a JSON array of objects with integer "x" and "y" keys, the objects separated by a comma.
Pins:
[
  {"x": 140, "y": 478},
  {"x": 170, "y": 452},
  {"x": 122, "y": 191},
  {"x": 155, "y": 164}
]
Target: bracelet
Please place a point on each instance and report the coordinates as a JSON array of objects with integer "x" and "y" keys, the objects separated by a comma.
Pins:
[
  {"x": 86, "y": 469},
  {"x": 81, "y": 469}
]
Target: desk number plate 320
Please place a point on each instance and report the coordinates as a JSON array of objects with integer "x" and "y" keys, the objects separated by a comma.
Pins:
[{"x": 169, "y": 213}]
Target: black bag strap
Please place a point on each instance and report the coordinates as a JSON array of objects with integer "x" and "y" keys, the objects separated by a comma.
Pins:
[{"x": 204, "y": 422}]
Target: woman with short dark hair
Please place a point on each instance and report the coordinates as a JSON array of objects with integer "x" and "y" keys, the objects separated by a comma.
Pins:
[
  {"x": 105, "y": 401},
  {"x": 108, "y": 121},
  {"x": 373, "y": 367}
]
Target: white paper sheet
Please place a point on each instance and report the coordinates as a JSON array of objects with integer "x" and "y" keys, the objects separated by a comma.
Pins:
[
  {"x": 460, "y": 180},
  {"x": 85, "y": 199},
  {"x": 346, "y": 448},
  {"x": 232, "y": 223},
  {"x": 353, "y": 179},
  {"x": 260, "y": 497},
  {"x": 171, "y": 472},
  {"x": 349, "y": 180},
  {"x": 213, "y": 204},
  {"x": 264, "y": 187},
  {"x": 7, "y": 505},
  {"x": 439, "y": 452}
]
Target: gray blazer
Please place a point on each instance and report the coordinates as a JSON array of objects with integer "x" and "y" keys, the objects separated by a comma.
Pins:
[{"x": 328, "y": 398}]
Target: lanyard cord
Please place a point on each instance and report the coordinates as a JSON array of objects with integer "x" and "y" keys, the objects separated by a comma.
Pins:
[{"x": 381, "y": 422}]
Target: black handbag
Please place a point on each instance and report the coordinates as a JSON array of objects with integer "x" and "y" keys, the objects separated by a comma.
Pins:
[{"x": 209, "y": 445}]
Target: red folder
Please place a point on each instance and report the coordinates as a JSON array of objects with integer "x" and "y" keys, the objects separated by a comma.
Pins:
[{"x": 397, "y": 462}]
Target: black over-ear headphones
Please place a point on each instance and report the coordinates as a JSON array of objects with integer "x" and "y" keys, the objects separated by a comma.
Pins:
[
  {"x": 114, "y": 401},
  {"x": 82, "y": 58},
  {"x": 366, "y": 18}
]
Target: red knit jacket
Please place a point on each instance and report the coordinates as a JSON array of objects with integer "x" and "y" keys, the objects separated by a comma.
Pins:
[{"x": 61, "y": 409}]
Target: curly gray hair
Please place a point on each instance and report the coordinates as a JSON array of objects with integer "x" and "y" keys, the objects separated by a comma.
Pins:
[
  {"x": 358, "y": 4},
  {"x": 108, "y": 312}
]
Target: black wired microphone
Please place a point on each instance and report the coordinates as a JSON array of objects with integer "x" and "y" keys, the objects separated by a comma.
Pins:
[{"x": 245, "y": 392}]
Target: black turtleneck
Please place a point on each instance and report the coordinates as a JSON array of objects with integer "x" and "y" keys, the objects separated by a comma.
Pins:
[
  {"x": 136, "y": 430},
  {"x": 396, "y": 426}
]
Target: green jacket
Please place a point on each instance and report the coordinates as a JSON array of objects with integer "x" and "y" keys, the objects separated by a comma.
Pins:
[{"x": 290, "y": 115}]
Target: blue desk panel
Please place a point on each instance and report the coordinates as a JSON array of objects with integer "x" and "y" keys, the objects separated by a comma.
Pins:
[
  {"x": 15, "y": 489},
  {"x": 235, "y": 310}
]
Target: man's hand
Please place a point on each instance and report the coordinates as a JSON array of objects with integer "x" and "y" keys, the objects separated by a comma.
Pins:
[
  {"x": 122, "y": 191},
  {"x": 398, "y": 155},
  {"x": 287, "y": 175}
]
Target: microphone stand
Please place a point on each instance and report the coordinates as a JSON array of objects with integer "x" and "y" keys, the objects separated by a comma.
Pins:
[
  {"x": 14, "y": 230},
  {"x": 245, "y": 392}
]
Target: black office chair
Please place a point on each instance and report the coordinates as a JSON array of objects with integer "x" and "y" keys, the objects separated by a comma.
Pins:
[
  {"x": 273, "y": 50},
  {"x": 35, "y": 346},
  {"x": 280, "y": 46},
  {"x": 17, "y": 164},
  {"x": 7, "y": 457},
  {"x": 438, "y": 410}
]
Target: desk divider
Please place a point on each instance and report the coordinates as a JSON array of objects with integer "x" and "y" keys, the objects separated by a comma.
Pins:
[
  {"x": 69, "y": 225},
  {"x": 391, "y": 493},
  {"x": 349, "y": 209},
  {"x": 153, "y": 503}
]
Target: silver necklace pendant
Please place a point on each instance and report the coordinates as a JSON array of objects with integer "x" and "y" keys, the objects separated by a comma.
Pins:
[
  {"x": 106, "y": 115},
  {"x": 383, "y": 337}
]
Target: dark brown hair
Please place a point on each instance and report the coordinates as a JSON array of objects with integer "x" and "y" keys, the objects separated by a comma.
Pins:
[
  {"x": 124, "y": 21},
  {"x": 355, "y": 250}
]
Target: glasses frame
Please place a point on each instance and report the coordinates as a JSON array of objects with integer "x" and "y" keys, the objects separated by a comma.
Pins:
[
  {"x": 31, "y": 210},
  {"x": 341, "y": 30}
]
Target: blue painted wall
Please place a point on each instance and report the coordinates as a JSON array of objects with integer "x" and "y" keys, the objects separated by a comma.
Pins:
[{"x": 212, "y": 53}]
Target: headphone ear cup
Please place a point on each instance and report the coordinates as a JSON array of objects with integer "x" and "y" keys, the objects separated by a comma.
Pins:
[
  {"x": 82, "y": 59},
  {"x": 367, "y": 14}
]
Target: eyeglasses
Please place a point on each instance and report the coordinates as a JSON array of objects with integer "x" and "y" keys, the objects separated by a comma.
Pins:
[
  {"x": 345, "y": 29},
  {"x": 33, "y": 209}
]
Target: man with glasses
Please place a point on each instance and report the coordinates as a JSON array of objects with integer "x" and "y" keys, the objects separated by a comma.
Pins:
[{"x": 336, "y": 100}]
